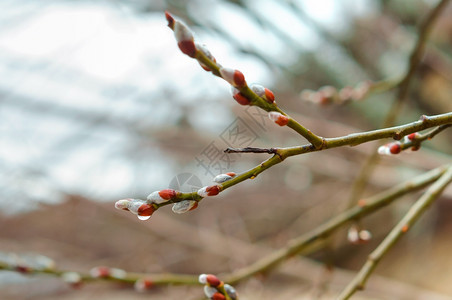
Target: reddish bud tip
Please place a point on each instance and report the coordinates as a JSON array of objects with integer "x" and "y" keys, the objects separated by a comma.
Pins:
[
  {"x": 241, "y": 99},
  {"x": 395, "y": 148},
  {"x": 412, "y": 136},
  {"x": 209, "y": 191},
  {"x": 22, "y": 269},
  {"x": 146, "y": 210},
  {"x": 188, "y": 48},
  {"x": 234, "y": 77},
  {"x": 185, "y": 40},
  {"x": 143, "y": 284},
  {"x": 170, "y": 20},
  {"x": 218, "y": 296},
  {"x": 100, "y": 272},
  {"x": 213, "y": 190},
  {"x": 213, "y": 280},
  {"x": 168, "y": 194},
  {"x": 162, "y": 196},
  {"x": 269, "y": 96},
  {"x": 278, "y": 118},
  {"x": 263, "y": 92}
]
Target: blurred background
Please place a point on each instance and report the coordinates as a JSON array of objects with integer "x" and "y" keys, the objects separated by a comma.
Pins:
[{"x": 97, "y": 104}]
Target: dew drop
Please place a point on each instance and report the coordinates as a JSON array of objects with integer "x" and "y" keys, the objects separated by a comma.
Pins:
[{"x": 143, "y": 218}]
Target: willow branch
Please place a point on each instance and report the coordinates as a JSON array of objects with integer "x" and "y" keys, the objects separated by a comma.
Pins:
[
  {"x": 399, "y": 230},
  {"x": 396, "y": 132},
  {"x": 416, "y": 55},
  {"x": 366, "y": 207},
  {"x": 129, "y": 277}
]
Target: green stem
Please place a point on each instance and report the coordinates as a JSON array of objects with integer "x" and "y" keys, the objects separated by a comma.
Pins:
[
  {"x": 369, "y": 206},
  {"x": 399, "y": 230}
]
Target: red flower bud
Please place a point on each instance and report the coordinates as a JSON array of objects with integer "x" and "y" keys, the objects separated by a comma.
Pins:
[
  {"x": 239, "y": 97},
  {"x": 234, "y": 77},
  {"x": 143, "y": 284},
  {"x": 278, "y": 118},
  {"x": 218, "y": 296},
  {"x": 413, "y": 136},
  {"x": 395, "y": 148},
  {"x": 100, "y": 272},
  {"x": 145, "y": 210},
  {"x": 185, "y": 39},
  {"x": 170, "y": 20},
  {"x": 263, "y": 92},
  {"x": 213, "y": 280},
  {"x": 162, "y": 196}
]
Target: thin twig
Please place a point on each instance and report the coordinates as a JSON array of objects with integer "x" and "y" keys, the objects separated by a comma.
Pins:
[
  {"x": 367, "y": 168},
  {"x": 251, "y": 150},
  {"x": 354, "y": 139},
  {"x": 365, "y": 208},
  {"x": 130, "y": 277},
  {"x": 399, "y": 230}
]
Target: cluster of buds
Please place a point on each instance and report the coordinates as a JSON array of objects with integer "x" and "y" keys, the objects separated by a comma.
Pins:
[
  {"x": 412, "y": 141},
  {"x": 140, "y": 208},
  {"x": 216, "y": 289},
  {"x": 278, "y": 118},
  {"x": 358, "y": 236},
  {"x": 27, "y": 263},
  {"x": 106, "y": 272},
  {"x": 330, "y": 95},
  {"x": 186, "y": 43},
  {"x": 390, "y": 148},
  {"x": 261, "y": 91},
  {"x": 184, "y": 36},
  {"x": 145, "y": 208},
  {"x": 143, "y": 284}
]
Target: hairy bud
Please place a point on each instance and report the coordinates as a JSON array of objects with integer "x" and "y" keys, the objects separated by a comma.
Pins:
[
  {"x": 231, "y": 291},
  {"x": 224, "y": 177},
  {"x": 185, "y": 39},
  {"x": 239, "y": 97},
  {"x": 143, "y": 284},
  {"x": 184, "y": 206},
  {"x": 218, "y": 296},
  {"x": 162, "y": 196},
  {"x": 209, "y": 190},
  {"x": 278, "y": 118},
  {"x": 263, "y": 92},
  {"x": 123, "y": 204},
  {"x": 234, "y": 77}
]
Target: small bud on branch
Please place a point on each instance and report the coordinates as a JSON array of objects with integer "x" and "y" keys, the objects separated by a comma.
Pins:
[{"x": 278, "y": 118}]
